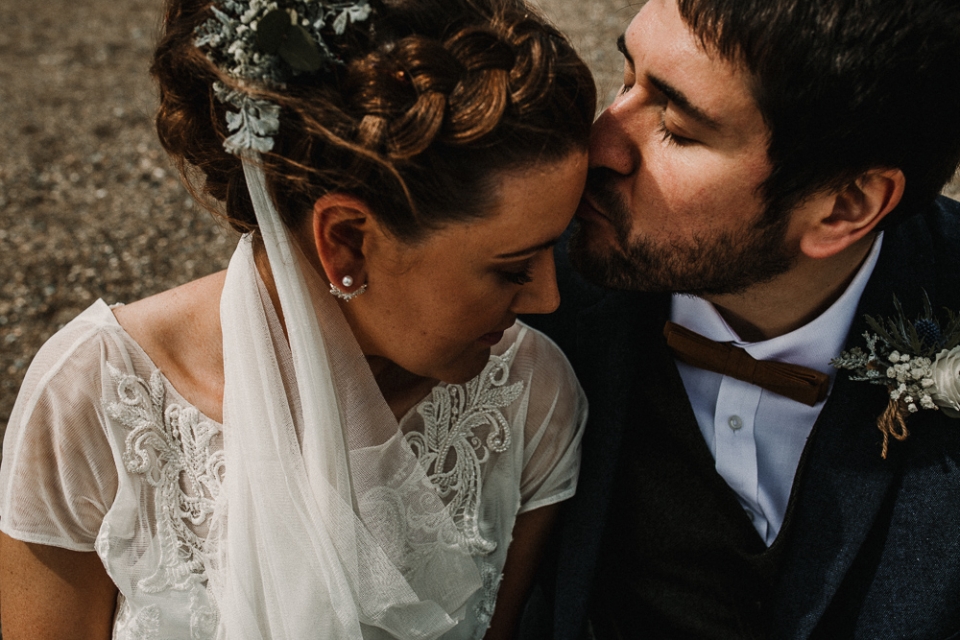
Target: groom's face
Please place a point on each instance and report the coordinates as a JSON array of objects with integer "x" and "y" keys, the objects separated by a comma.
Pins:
[{"x": 672, "y": 200}]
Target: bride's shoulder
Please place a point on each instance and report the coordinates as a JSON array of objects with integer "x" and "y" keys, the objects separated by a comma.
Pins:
[
  {"x": 80, "y": 344},
  {"x": 534, "y": 356},
  {"x": 554, "y": 402},
  {"x": 167, "y": 319},
  {"x": 179, "y": 330}
]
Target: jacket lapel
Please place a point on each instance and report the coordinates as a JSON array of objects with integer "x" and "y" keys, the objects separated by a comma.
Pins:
[
  {"x": 607, "y": 358},
  {"x": 842, "y": 481},
  {"x": 663, "y": 409},
  {"x": 632, "y": 382}
]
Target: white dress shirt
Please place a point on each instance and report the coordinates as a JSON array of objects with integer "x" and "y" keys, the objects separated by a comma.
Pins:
[{"x": 756, "y": 436}]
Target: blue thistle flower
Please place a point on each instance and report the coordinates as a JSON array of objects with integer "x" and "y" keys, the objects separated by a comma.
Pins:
[{"x": 928, "y": 331}]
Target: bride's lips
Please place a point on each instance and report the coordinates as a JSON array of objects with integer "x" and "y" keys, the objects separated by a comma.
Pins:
[
  {"x": 493, "y": 337},
  {"x": 589, "y": 212}
]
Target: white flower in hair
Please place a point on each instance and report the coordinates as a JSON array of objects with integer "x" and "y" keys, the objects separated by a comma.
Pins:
[{"x": 265, "y": 43}]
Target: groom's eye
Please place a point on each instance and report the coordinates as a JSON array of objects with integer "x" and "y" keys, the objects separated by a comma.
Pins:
[{"x": 671, "y": 137}]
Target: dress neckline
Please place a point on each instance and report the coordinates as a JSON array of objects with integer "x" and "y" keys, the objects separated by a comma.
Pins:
[{"x": 106, "y": 310}]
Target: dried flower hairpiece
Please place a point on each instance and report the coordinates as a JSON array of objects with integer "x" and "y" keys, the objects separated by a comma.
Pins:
[
  {"x": 260, "y": 42},
  {"x": 918, "y": 362}
]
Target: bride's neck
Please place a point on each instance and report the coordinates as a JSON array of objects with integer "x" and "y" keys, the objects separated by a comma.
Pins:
[{"x": 401, "y": 389}]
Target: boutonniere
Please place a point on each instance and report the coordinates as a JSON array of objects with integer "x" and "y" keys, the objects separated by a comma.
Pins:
[{"x": 917, "y": 361}]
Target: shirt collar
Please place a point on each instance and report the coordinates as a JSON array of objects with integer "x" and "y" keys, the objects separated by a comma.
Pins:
[{"x": 812, "y": 345}]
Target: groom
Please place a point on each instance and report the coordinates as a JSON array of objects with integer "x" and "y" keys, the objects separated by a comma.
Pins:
[{"x": 766, "y": 177}]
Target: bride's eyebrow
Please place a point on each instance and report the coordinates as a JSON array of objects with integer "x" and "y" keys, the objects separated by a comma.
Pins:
[{"x": 533, "y": 249}]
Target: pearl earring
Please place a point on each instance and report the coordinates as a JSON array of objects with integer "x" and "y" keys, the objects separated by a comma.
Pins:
[{"x": 347, "y": 281}]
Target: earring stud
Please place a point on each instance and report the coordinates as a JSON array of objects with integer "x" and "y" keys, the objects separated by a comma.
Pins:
[{"x": 346, "y": 295}]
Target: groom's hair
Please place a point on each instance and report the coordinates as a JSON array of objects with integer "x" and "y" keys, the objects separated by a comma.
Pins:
[{"x": 845, "y": 86}]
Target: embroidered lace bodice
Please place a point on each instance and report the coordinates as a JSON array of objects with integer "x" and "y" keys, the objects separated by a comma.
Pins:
[{"x": 102, "y": 454}]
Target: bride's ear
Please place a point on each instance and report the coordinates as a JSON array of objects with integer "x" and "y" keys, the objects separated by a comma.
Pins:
[{"x": 341, "y": 226}]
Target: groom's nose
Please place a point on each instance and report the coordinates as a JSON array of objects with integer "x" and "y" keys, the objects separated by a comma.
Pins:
[{"x": 613, "y": 142}]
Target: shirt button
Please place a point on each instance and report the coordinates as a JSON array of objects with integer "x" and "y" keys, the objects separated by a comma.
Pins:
[{"x": 735, "y": 423}]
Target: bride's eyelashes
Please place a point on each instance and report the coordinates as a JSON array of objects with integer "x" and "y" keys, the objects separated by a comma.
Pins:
[{"x": 521, "y": 277}]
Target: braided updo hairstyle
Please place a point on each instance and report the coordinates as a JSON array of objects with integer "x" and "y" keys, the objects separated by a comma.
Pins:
[{"x": 433, "y": 99}]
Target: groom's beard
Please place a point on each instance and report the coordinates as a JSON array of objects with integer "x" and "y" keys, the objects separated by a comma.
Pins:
[{"x": 728, "y": 262}]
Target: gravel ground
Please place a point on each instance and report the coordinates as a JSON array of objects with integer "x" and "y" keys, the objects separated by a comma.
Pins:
[{"x": 89, "y": 204}]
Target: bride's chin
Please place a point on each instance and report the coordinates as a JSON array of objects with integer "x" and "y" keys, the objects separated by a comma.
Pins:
[{"x": 465, "y": 369}]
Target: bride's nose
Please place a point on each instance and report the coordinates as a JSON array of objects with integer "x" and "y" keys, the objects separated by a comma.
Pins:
[{"x": 540, "y": 295}]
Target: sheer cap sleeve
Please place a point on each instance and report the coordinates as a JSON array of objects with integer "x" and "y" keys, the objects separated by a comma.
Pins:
[
  {"x": 58, "y": 476},
  {"x": 556, "y": 412}
]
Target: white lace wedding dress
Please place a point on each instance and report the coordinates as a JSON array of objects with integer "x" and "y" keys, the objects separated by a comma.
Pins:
[{"x": 102, "y": 454}]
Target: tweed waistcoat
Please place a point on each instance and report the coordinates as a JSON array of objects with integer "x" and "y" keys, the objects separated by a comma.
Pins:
[{"x": 680, "y": 556}]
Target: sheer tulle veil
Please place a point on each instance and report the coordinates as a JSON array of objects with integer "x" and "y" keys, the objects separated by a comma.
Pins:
[{"x": 327, "y": 526}]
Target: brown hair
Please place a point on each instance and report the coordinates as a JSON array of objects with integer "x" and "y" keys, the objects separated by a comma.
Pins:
[
  {"x": 845, "y": 86},
  {"x": 432, "y": 100}
]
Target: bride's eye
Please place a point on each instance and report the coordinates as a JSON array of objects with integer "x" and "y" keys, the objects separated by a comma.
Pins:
[{"x": 521, "y": 277}]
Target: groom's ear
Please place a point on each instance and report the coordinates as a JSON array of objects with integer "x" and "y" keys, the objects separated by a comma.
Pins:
[
  {"x": 851, "y": 213},
  {"x": 341, "y": 224}
]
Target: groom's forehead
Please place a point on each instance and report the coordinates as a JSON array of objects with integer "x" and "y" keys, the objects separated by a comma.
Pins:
[
  {"x": 662, "y": 24},
  {"x": 658, "y": 32},
  {"x": 663, "y": 52}
]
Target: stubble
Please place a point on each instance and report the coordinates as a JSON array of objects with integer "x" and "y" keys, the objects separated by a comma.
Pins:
[{"x": 727, "y": 262}]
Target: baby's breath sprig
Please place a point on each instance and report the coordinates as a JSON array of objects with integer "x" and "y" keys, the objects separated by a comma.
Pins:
[{"x": 918, "y": 361}]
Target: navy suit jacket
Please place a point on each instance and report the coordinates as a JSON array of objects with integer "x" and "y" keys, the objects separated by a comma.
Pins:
[{"x": 874, "y": 550}]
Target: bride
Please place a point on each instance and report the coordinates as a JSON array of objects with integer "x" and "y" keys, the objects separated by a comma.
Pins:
[{"x": 346, "y": 434}]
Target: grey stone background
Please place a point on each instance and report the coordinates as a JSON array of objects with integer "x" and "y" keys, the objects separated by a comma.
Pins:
[{"x": 90, "y": 207}]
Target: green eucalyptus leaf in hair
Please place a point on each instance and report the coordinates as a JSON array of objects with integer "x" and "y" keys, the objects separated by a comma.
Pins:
[
  {"x": 272, "y": 30},
  {"x": 340, "y": 24},
  {"x": 299, "y": 50}
]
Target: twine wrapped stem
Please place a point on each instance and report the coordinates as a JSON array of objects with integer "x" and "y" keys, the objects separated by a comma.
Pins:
[{"x": 893, "y": 422}]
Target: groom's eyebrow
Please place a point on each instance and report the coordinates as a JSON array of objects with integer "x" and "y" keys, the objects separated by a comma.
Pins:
[
  {"x": 533, "y": 249},
  {"x": 622, "y": 48},
  {"x": 682, "y": 103},
  {"x": 677, "y": 97}
]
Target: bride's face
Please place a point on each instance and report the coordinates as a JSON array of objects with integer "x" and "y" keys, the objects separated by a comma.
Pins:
[{"x": 435, "y": 308}]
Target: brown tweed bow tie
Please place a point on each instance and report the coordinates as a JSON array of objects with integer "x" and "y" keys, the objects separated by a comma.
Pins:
[{"x": 793, "y": 381}]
